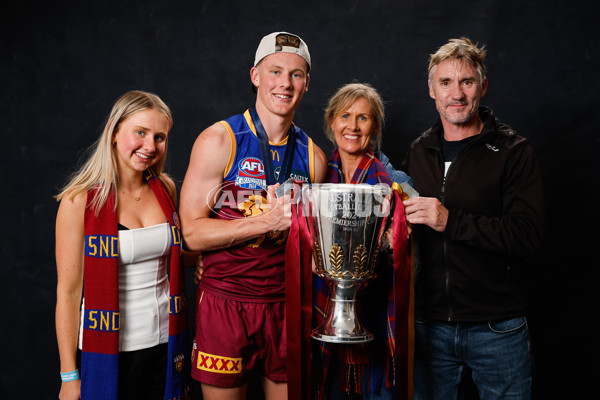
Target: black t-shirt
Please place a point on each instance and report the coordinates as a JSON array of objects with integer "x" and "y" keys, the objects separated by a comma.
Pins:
[{"x": 450, "y": 149}]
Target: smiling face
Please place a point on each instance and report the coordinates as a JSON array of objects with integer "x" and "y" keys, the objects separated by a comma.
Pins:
[
  {"x": 353, "y": 128},
  {"x": 141, "y": 140},
  {"x": 281, "y": 79},
  {"x": 457, "y": 87}
]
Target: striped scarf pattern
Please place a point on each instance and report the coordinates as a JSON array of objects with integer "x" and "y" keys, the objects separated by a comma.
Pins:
[{"x": 370, "y": 170}]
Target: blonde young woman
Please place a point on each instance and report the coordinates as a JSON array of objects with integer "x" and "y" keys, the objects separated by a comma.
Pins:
[{"x": 118, "y": 245}]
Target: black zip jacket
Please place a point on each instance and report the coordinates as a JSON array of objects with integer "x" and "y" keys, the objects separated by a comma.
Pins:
[{"x": 493, "y": 191}]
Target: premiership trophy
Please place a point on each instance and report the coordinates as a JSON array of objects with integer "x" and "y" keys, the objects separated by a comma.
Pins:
[{"x": 347, "y": 223}]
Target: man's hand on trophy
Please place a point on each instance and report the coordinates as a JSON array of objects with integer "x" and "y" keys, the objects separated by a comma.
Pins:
[
  {"x": 427, "y": 211},
  {"x": 279, "y": 214}
]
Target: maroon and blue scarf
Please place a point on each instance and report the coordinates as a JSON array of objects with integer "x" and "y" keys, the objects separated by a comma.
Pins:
[
  {"x": 370, "y": 170},
  {"x": 356, "y": 365},
  {"x": 101, "y": 322}
]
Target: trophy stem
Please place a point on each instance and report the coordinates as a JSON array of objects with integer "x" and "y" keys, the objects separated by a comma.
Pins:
[{"x": 342, "y": 324}]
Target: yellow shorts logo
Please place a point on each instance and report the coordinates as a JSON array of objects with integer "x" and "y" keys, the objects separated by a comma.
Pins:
[{"x": 219, "y": 364}]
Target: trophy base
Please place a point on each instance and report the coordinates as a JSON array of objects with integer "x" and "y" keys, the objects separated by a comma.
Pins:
[
  {"x": 342, "y": 324},
  {"x": 366, "y": 337}
]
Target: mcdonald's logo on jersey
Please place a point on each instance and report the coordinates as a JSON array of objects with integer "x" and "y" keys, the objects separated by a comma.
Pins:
[{"x": 275, "y": 155}]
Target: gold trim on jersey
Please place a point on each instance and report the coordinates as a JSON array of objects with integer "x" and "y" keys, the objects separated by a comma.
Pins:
[
  {"x": 311, "y": 160},
  {"x": 233, "y": 147},
  {"x": 253, "y": 128}
]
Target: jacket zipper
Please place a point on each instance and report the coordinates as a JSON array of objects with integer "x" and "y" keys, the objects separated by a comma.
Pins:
[
  {"x": 444, "y": 240},
  {"x": 442, "y": 197},
  {"x": 445, "y": 252}
]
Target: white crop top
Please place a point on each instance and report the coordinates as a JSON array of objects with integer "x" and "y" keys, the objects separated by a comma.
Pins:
[{"x": 143, "y": 287}]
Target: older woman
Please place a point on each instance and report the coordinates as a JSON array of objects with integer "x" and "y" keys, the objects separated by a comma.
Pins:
[{"x": 353, "y": 122}]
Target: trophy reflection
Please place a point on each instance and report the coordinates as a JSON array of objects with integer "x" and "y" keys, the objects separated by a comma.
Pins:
[{"x": 347, "y": 223}]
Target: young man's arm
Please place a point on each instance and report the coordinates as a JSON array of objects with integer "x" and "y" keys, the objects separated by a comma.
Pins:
[{"x": 202, "y": 188}]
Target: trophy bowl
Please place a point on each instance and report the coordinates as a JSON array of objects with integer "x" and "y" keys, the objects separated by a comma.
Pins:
[{"x": 347, "y": 223}]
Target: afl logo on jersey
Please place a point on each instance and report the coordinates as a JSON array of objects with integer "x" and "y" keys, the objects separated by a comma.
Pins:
[{"x": 251, "y": 166}]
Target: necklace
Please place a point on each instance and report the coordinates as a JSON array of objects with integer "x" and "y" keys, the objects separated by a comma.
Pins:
[{"x": 139, "y": 196}]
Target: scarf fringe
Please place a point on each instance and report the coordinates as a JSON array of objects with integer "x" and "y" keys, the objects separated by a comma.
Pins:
[{"x": 356, "y": 373}]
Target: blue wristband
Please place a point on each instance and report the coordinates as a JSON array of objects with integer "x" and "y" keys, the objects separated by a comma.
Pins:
[{"x": 69, "y": 376}]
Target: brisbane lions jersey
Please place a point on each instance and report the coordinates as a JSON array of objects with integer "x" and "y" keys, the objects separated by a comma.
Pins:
[{"x": 255, "y": 270}]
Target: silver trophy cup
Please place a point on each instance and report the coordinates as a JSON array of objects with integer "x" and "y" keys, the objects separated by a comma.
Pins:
[{"x": 347, "y": 223}]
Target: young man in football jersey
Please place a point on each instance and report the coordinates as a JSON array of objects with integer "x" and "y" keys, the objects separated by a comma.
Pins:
[{"x": 230, "y": 213}]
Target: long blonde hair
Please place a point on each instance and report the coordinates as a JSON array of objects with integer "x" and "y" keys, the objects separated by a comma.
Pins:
[{"x": 100, "y": 169}]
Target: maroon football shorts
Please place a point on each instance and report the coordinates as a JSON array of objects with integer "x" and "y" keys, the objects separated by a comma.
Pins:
[{"x": 235, "y": 337}]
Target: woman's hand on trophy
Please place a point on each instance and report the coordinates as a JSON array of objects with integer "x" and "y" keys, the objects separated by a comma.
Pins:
[
  {"x": 388, "y": 243},
  {"x": 388, "y": 239}
]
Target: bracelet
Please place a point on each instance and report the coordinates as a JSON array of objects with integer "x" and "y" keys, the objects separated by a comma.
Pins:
[{"x": 69, "y": 376}]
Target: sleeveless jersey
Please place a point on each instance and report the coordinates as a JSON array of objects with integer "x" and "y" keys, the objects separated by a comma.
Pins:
[{"x": 253, "y": 271}]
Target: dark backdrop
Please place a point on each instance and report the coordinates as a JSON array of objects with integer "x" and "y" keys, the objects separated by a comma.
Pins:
[{"x": 63, "y": 66}]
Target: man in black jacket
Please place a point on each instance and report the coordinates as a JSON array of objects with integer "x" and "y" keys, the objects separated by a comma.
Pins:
[{"x": 480, "y": 215}]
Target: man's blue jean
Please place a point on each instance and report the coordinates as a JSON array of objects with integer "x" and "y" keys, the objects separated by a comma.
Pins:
[{"x": 497, "y": 353}]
